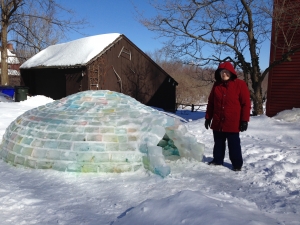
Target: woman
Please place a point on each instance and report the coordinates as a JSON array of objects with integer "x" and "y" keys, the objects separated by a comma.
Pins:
[{"x": 229, "y": 110}]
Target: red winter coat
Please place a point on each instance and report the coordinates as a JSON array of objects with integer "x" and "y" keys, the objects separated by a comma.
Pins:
[{"x": 228, "y": 102}]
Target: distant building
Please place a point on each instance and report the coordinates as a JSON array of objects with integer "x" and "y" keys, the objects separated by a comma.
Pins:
[
  {"x": 13, "y": 66},
  {"x": 101, "y": 62}
]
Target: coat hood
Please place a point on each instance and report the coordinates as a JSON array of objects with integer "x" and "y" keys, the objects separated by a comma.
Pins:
[{"x": 225, "y": 66}]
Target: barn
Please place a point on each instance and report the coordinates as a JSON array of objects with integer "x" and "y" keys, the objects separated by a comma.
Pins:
[
  {"x": 284, "y": 80},
  {"x": 101, "y": 62}
]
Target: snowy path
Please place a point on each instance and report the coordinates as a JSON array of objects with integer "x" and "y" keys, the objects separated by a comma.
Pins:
[
  {"x": 266, "y": 191},
  {"x": 271, "y": 172}
]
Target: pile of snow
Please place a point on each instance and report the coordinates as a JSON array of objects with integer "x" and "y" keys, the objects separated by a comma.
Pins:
[
  {"x": 289, "y": 115},
  {"x": 188, "y": 207},
  {"x": 5, "y": 98},
  {"x": 36, "y": 100}
]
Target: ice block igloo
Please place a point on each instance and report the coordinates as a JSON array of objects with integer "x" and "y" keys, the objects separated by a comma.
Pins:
[{"x": 97, "y": 131}]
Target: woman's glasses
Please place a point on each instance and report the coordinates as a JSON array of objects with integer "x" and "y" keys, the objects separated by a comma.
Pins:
[{"x": 226, "y": 72}]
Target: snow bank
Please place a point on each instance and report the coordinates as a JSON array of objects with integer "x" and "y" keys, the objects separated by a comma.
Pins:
[{"x": 289, "y": 115}]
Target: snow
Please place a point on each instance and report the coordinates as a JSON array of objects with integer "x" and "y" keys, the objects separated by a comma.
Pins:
[
  {"x": 12, "y": 59},
  {"x": 66, "y": 54},
  {"x": 12, "y": 72},
  {"x": 5, "y": 98},
  {"x": 266, "y": 191}
]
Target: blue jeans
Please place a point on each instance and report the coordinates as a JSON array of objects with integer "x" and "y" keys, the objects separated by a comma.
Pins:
[{"x": 234, "y": 147}]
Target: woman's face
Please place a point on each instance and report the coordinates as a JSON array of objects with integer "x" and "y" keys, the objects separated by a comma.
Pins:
[{"x": 225, "y": 74}]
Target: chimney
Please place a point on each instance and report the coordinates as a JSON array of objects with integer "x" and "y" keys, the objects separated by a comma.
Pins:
[{"x": 10, "y": 47}]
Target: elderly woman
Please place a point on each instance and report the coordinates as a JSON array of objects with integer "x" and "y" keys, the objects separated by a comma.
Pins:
[{"x": 228, "y": 113}]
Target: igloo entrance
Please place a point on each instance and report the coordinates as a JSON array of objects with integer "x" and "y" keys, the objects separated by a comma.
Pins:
[
  {"x": 169, "y": 149},
  {"x": 96, "y": 131}
]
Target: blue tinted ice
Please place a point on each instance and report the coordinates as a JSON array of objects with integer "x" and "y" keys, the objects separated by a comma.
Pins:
[{"x": 97, "y": 131}]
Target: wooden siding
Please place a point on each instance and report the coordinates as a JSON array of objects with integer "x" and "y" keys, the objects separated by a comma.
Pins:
[
  {"x": 52, "y": 82},
  {"x": 123, "y": 67},
  {"x": 284, "y": 79},
  {"x": 167, "y": 89},
  {"x": 74, "y": 80},
  {"x": 126, "y": 69}
]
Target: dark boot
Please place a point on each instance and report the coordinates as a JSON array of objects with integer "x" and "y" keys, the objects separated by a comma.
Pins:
[
  {"x": 214, "y": 163},
  {"x": 236, "y": 169}
]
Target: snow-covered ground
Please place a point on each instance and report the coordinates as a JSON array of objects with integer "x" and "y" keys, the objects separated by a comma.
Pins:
[{"x": 266, "y": 191}]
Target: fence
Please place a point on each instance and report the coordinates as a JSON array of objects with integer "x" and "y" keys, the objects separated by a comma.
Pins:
[{"x": 193, "y": 107}]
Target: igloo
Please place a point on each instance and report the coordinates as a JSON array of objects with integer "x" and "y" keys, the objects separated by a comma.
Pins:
[{"x": 97, "y": 131}]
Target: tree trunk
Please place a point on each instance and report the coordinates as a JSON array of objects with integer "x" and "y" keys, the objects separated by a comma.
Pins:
[
  {"x": 4, "y": 67},
  {"x": 257, "y": 100}
]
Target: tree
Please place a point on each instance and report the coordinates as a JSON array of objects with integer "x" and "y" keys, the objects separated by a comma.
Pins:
[
  {"x": 207, "y": 32},
  {"x": 194, "y": 83},
  {"x": 32, "y": 26},
  {"x": 140, "y": 78}
]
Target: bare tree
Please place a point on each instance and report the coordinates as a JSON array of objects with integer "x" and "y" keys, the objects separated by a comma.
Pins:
[
  {"x": 194, "y": 83},
  {"x": 33, "y": 25},
  {"x": 139, "y": 77},
  {"x": 27, "y": 43},
  {"x": 204, "y": 32}
]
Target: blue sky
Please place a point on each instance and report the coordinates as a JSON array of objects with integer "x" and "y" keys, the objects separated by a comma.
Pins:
[
  {"x": 119, "y": 16},
  {"x": 114, "y": 16}
]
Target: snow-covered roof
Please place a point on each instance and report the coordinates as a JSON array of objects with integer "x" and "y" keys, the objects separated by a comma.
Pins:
[
  {"x": 77, "y": 52},
  {"x": 12, "y": 58}
]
